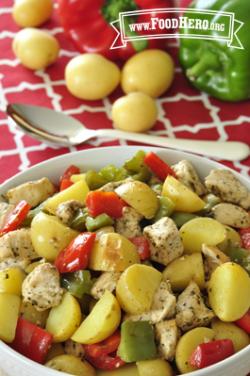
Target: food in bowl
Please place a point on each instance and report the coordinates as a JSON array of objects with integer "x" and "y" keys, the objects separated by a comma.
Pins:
[{"x": 134, "y": 269}]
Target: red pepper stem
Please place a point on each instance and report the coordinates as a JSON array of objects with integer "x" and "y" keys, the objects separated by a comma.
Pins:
[{"x": 207, "y": 60}]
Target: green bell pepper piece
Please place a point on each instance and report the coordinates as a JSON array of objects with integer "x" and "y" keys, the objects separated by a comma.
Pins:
[
  {"x": 166, "y": 208},
  {"x": 211, "y": 65},
  {"x": 111, "y": 173},
  {"x": 239, "y": 255},
  {"x": 137, "y": 341},
  {"x": 137, "y": 168},
  {"x": 180, "y": 218},
  {"x": 31, "y": 214},
  {"x": 93, "y": 224},
  {"x": 78, "y": 222},
  {"x": 157, "y": 188},
  {"x": 94, "y": 180},
  {"x": 77, "y": 283}
]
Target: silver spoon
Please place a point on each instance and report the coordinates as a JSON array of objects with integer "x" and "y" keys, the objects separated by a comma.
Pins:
[{"x": 58, "y": 128}]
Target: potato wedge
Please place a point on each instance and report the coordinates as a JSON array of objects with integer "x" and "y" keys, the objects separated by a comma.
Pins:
[
  {"x": 188, "y": 343},
  {"x": 128, "y": 370},
  {"x": 71, "y": 364},
  {"x": 136, "y": 287},
  {"x": 49, "y": 236},
  {"x": 9, "y": 309},
  {"x": 113, "y": 253},
  {"x": 140, "y": 196},
  {"x": 231, "y": 331},
  {"x": 78, "y": 191},
  {"x": 201, "y": 230},
  {"x": 11, "y": 280},
  {"x": 154, "y": 367},
  {"x": 102, "y": 321},
  {"x": 64, "y": 319},
  {"x": 229, "y": 291},
  {"x": 184, "y": 269},
  {"x": 185, "y": 200},
  {"x": 77, "y": 177}
]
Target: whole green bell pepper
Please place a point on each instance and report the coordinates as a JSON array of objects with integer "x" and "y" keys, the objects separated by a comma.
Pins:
[{"x": 211, "y": 65}]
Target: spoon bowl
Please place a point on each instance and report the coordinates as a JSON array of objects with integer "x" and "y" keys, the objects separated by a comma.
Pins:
[{"x": 58, "y": 128}]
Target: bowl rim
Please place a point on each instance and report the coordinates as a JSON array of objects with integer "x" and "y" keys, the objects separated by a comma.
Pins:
[{"x": 5, "y": 349}]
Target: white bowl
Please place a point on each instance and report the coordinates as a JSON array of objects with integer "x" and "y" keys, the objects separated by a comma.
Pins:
[{"x": 14, "y": 364}]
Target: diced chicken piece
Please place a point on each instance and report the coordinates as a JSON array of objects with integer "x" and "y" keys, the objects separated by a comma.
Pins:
[
  {"x": 188, "y": 176},
  {"x": 213, "y": 257},
  {"x": 165, "y": 241},
  {"x": 5, "y": 209},
  {"x": 106, "y": 281},
  {"x": 167, "y": 334},
  {"x": 17, "y": 244},
  {"x": 129, "y": 224},
  {"x": 163, "y": 306},
  {"x": 231, "y": 215},
  {"x": 225, "y": 185},
  {"x": 110, "y": 187},
  {"x": 34, "y": 192},
  {"x": 74, "y": 348},
  {"x": 42, "y": 287},
  {"x": 67, "y": 210},
  {"x": 191, "y": 310},
  {"x": 14, "y": 263}
]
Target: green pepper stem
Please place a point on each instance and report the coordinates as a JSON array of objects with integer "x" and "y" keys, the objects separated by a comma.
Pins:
[{"x": 208, "y": 60}]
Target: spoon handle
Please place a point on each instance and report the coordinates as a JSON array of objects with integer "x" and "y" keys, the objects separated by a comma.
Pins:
[{"x": 228, "y": 150}]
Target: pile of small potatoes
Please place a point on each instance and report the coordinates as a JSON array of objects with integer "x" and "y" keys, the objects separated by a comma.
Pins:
[{"x": 144, "y": 77}]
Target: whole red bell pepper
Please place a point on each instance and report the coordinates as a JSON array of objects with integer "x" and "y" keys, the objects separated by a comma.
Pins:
[
  {"x": 87, "y": 23},
  {"x": 98, "y": 202},
  {"x": 31, "y": 341},
  {"x": 212, "y": 352},
  {"x": 76, "y": 255},
  {"x": 15, "y": 217},
  {"x": 102, "y": 355}
]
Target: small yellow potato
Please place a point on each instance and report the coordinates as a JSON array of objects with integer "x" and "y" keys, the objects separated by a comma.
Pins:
[
  {"x": 11, "y": 280},
  {"x": 154, "y": 367},
  {"x": 30, "y": 313},
  {"x": 102, "y": 321},
  {"x": 32, "y": 13},
  {"x": 49, "y": 236},
  {"x": 149, "y": 71},
  {"x": 9, "y": 310},
  {"x": 135, "y": 112},
  {"x": 136, "y": 288},
  {"x": 183, "y": 270},
  {"x": 64, "y": 319},
  {"x": 91, "y": 76},
  {"x": 184, "y": 199},
  {"x": 229, "y": 330},
  {"x": 77, "y": 191},
  {"x": 55, "y": 350},
  {"x": 72, "y": 365},
  {"x": 188, "y": 343},
  {"x": 140, "y": 196},
  {"x": 128, "y": 370},
  {"x": 36, "y": 49},
  {"x": 201, "y": 230},
  {"x": 232, "y": 239},
  {"x": 113, "y": 253},
  {"x": 229, "y": 291}
]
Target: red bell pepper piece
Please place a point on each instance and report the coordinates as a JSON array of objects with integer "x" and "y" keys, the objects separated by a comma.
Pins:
[
  {"x": 98, "y": 202},
  {"x": 160, "y": 168},
  {"x": 142, "y": 245},
  {"x": 244, "y": 322},
  {"x": 16, "y": 217},
  {"x": 87, "y": 23},
  {"x": 245, "y": 237},
  {"x": 65, "y": 181},
  {"x": 31, "y": 341},
  {"x": 102, "y": 355},
  {"x": 76, "y": 255},
  {"x": 212, "y": 352}
]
